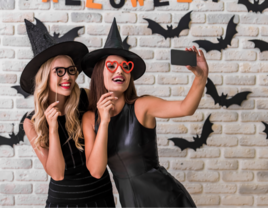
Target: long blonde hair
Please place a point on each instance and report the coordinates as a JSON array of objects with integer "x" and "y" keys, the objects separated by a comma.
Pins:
[{"x": 41, "y": 94}]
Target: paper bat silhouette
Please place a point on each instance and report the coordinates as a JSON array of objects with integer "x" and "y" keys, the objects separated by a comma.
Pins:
[
  {"x": 266, "y": 129},
  {"x": 255, "y": 7},
  {"x": 21, "y": 91},
  {"x": 222, "y": 100},
  {"x": 230, "y": 32},
  {"x": 262, "y": 45},
  {"x": 198, "y": 142},
  {"x": 14, "y": 139},
  {"x": 126, "y": 46},
  {"x": 70, "y": 35},
  {"x": 170, "y": 32}
]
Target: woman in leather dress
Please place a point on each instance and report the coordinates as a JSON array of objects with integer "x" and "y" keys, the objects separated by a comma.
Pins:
[{"x": 120, "y": 129}]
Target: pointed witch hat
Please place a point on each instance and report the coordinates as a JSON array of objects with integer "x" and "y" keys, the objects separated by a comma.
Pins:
[
  {"x": 45, "y": 46},
  {"x": 113, "y": 46}
]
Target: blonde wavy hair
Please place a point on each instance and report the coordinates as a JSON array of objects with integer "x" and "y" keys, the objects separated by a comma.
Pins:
[{"x": 41, "y": 95}]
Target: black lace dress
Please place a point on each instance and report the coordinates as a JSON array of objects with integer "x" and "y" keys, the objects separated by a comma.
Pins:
[{"x": 78, "y": 188}]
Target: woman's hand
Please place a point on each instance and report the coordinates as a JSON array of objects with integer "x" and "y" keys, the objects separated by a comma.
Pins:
[
  {"x": 201, "y": 68},
  {"x": 52, "y": 114},
  {"x": 105, "y": 105}
]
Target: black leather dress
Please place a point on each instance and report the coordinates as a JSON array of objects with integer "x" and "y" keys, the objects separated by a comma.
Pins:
[{"x": 133, "y": 160}]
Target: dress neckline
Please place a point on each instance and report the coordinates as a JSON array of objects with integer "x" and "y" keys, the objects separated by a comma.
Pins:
[{"x": 119, "y": 112}]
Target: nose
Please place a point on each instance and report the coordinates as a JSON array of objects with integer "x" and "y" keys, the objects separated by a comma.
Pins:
[
  {"x": 119, "y": 69},
  {"x": 66, "y": 76}
]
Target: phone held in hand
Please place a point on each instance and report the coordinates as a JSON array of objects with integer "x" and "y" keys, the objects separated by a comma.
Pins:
[{"x": 183, "y": 58}]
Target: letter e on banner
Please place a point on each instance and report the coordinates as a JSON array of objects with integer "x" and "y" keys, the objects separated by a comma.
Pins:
[
  {"x": 134, "y": 2},
  {"x": 91, "y": 4}
]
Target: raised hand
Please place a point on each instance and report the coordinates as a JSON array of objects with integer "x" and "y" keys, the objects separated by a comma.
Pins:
[
  {"x": 52, "y": 113},
  {"x": 105, "y": 105},
  {"x": 201, "y": 68}
]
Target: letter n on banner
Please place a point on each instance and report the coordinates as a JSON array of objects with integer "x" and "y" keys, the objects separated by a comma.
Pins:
[
  {"x": 134, "y": 2},
  {"x": 91, "y": 4}
]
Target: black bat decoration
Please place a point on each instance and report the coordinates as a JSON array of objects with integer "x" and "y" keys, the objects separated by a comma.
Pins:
[
  {"x": 255, "y": 7},
  {"x": 21, "y": 91},
  {"x": 198, "y": 142},
  {"x": 14, "y": 139},
  {"x": 266, "y": 129},
  {"x": 170, "y": 32},
  {"x": 126, "y": 46},
  {"x": 222, "y": 100},
  {"x": 223, "y": 43},
  {"x": 262, "y": 45},
  {"x": 70, "y": 35}
]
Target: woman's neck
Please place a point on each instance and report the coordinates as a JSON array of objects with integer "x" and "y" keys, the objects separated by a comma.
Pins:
[
  {"x": 119, "y": 104},
  {"x": 62, "y": 99}
]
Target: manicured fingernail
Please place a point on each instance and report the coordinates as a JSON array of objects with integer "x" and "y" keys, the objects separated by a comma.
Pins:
[
  {"x": 116, "y": 97},
  {"x": 58, "y": 101}
]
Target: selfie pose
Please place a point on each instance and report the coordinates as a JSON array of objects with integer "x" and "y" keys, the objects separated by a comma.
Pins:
[
  {"x": 120, "y": 128},
  {"x": 54, "y": 127}
]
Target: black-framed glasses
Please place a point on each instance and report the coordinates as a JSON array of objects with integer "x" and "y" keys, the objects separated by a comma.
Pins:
[{"x": 61, "y": 71}]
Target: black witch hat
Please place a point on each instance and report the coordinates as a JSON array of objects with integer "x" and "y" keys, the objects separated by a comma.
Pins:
[
  {"x": 114, "y": 46},
  {"x": 45, "y": 46}
]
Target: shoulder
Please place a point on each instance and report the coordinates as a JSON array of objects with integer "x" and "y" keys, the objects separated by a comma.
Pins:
[
  {"x": 89, "y": 117},
  {"x": 144, "y": 101}
]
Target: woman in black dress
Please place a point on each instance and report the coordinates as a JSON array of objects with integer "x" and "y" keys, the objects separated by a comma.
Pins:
[
  {"x": 54, "y": 128},
  {"x": 124, "y": 124}
]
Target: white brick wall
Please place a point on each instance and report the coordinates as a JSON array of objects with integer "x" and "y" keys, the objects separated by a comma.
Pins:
[{"x": 230, "y": 171}]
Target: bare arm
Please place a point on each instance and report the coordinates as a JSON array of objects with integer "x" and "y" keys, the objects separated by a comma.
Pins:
[
  {"x": 52, "y": 159},
  {"x": 156, "y": 107},
  {"x": 96, "y": 145}
]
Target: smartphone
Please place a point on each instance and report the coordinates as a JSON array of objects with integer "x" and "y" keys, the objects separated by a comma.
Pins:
[{"x": 184, "y": 58}]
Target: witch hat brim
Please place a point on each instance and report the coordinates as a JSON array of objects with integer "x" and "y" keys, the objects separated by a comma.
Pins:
[
  {"x": 45, "y": 46},
  {"x": 113, "y": 46},
  {"x": 73, "y": 49}
]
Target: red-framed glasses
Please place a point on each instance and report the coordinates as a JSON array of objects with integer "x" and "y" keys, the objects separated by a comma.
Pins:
[{"x": 112, "y": 66}]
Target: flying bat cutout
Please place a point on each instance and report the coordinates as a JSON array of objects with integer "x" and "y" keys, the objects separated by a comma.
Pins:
[
  {"x": 70, "y": 35},
  {"x": 223, "y": 43},
  {"x": 126, "y": 46},
  {"x": 222, "y": 100},
  {"x": 198, "y": 141},
  {"x": 260, "y": 44},
  {"x": 170, "y": 32},
  {"x": 14, "y": 139},
  {"x": 21, "y": 91},
  {"x": 255, "y": 7},
  {"x": 266, "y": 129}
]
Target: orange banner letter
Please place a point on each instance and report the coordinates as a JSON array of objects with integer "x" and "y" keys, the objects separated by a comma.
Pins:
[
  {"x": 91, "y": 4},
  {"x": 134, "y": 2},
  {"x": 55, "y": 1},
  {"x": 183, "y": 1}
]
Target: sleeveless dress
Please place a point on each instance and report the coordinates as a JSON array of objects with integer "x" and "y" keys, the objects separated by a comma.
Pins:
[
  {"x": 133, "y": 160},
  {"x": 78, "y": 188}
]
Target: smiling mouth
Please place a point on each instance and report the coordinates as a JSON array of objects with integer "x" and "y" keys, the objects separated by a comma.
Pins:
[{"x": 118, "y": 80}]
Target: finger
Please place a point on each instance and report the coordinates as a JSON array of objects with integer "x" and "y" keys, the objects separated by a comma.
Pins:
[
  {"x": 108, "y": 103},
  {"x": 105, "y": 95},
  {"x": 55, "y": 115},
  {"x": 195, "y": 50},
  {"x": 52, "y": 105},
  {"x": 51, "y": 112},
  {"x": 201, "y": 53},
  {"x": 108, "y": 99},
  {"x": 110, "y": 107}
]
